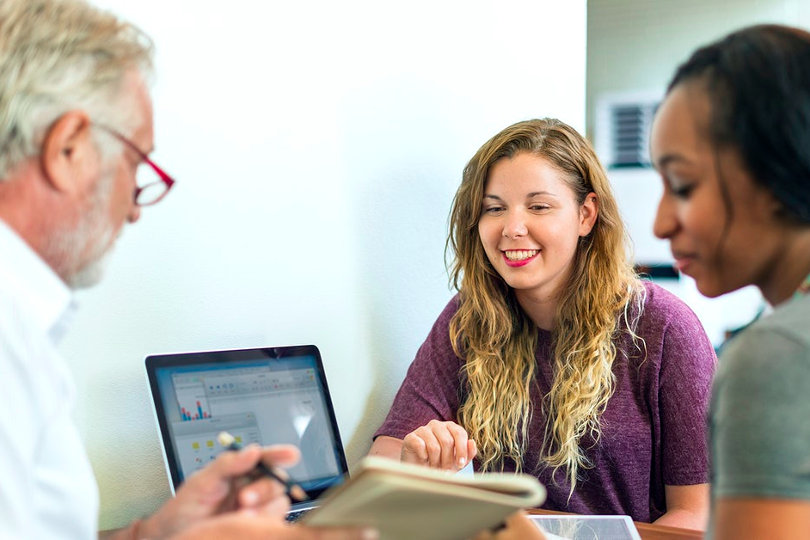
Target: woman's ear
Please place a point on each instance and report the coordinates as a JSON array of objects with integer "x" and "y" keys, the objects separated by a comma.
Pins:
[
  {"x": 588, "y": 212},
  {"x": 68, "y": 153}
]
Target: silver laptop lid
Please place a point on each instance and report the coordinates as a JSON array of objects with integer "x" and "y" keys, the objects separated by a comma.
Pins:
[{"x": 267, "y": 395}]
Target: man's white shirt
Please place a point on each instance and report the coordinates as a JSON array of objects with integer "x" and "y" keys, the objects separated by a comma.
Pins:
[{"x": 47, "y": 487}]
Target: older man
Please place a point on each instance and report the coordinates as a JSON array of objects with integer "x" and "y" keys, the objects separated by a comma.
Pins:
[{"x": 75, "y": 130}]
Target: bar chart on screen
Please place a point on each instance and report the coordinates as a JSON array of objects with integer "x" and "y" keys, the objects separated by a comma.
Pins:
[{"x": 191, "y": 397}]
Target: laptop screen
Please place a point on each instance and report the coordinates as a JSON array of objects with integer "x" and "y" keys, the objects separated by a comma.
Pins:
[{"x": 265, "y": 396}]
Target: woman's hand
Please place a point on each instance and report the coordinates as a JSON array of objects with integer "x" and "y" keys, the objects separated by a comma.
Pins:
[{"x": 441, "y": 445}]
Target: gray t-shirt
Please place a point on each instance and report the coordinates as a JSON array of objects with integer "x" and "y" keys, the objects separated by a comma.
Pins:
[{"x": 760, "y": 412}]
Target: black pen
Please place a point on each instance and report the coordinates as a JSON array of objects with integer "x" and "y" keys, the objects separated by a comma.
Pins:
[{"x": 293, "y": 491}]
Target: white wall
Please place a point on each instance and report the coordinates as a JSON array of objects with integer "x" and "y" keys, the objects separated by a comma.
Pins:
[
  {"x": 317, "y": 147},
  {"x": 634, "y": 47}
]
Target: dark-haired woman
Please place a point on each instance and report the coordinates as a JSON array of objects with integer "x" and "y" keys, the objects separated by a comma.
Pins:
[{"x": 732, "y": 144}]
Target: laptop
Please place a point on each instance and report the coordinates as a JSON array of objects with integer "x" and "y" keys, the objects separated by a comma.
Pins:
[{"x": 267, "y": 395}]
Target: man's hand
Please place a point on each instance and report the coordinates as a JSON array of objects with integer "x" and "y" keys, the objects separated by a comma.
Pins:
[
  {"x": 226, "y": 485},
  {"x": 247, "y": 524}
]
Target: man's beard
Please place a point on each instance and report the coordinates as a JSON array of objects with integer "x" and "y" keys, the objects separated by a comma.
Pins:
[
  {"x": 92, "y": 272},
  {"x": 84, "y": 250}
]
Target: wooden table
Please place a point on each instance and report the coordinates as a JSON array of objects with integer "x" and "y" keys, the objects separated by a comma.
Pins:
[{"x": 649, "y": 531}]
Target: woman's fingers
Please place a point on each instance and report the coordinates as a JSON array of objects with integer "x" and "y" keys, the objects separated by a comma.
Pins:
[
  {"x": 438, "y": 444},
  {"x": 414, "y": 449},
  {"x": 472, "y": 450}
]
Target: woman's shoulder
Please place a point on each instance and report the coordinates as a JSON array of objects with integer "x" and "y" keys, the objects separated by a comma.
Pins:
[
  {"x": 440, "y": 328},
  {"x": 773, "y": 352},
  {"x": 449, "y": 310},
  {"x": 675, "y": 337},
  {"x": 665, "y": 315},
  {"x": 789, "y": 320},
  {"x": 660, "y": 302},
  {"x": 437, "y": 346},
  {"x": 782, "y": 333}
]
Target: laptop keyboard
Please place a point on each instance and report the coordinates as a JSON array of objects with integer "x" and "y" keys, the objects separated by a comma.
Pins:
[{"x": 295, "y": 515}]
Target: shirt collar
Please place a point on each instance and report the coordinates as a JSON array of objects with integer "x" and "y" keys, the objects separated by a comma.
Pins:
[{"x": 23, "y": 273}]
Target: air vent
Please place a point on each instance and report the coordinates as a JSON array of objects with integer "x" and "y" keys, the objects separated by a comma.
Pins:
[{"x": 623, "y": 131}]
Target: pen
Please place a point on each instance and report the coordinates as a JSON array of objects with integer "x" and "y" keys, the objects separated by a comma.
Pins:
[{"x": 293, "y": 491}]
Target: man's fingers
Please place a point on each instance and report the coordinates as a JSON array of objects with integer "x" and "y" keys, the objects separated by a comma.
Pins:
[
  {"x": 261, "y": 492},
  {"x": 281, "y": 455},
  {"x": 254, "y": 524},
  {"x": 275, "y": 506},
  {"x": 231, "y": 464}
]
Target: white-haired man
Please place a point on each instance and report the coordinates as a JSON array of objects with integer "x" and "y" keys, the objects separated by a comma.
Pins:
[{"x": 75, "y": 128}]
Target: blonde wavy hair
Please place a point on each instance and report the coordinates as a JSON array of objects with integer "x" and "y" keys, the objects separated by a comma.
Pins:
[{"x": 498, "y": 340}]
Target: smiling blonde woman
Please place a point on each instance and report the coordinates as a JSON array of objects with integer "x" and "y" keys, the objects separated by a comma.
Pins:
[{"x": 554, "y": 358}]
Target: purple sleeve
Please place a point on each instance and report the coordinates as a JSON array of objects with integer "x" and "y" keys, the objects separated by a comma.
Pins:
[
  {"x": 687, "y": 367},
  {"x": 432, "y": 386}
]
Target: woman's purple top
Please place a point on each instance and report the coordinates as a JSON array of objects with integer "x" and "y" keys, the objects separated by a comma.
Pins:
[{"x": 653, "y": 428}]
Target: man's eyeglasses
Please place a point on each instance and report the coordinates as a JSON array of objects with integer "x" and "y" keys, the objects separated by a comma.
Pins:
[{"x": 148, "y": 190}]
